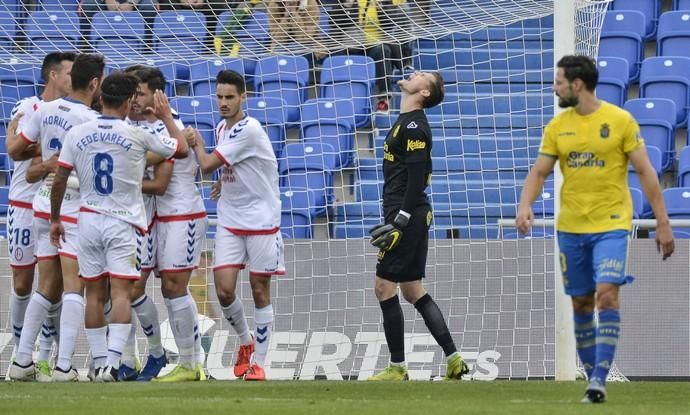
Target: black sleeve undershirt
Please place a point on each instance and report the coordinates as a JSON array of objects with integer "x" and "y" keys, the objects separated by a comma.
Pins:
[{"x": 416, "y": 179}]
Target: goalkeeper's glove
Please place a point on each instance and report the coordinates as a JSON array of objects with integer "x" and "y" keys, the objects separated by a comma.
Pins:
[{"x": 387, "y": 236}]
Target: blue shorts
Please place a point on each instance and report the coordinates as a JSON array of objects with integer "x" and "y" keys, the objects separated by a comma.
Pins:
[{"x": 588, "y": 259}]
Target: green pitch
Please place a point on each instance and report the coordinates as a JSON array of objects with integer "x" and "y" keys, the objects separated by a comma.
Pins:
[{"x": 320, "y": 398}]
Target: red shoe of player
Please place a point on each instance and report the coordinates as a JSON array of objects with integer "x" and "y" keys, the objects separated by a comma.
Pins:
[
  {"x": 244, "y": 353},
  {"x": 255, "y": 372}
]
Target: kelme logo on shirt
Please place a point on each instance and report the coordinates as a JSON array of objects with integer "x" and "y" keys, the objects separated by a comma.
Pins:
[
  {"x": 412, "y": 125},
  {"x": 413, "y": 145},
  {"x": 604, "y": 131}
]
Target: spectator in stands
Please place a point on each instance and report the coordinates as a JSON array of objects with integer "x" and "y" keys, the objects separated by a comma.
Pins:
[
  {"x": 147, "y": 8},
  {"x": 293, "y": 21},
  {"x": 374, "y": 28},
  {"x": 211, "y": 8}
]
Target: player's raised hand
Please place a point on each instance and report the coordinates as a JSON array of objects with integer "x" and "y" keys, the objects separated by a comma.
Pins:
[
  {"x": 161, "y": 107},
  {"x": 190, "y": 135},
  {"x": 664, "y": 240},
  {"x": 57, "y": 233},
  {"x": 215, "y": 190},
  {"x": 524, "y": 219}
]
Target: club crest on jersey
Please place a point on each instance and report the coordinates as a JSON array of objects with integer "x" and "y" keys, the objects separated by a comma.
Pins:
[
  {"x": 604, "y": 131},
  {"x": 412, "y": 125}
]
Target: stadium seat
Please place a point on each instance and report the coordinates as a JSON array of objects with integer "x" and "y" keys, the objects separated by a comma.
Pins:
[
  {"x": 488, "y": 81},
  {"x": 684, "y": 167},
  {"x": 490, "y": 104},
  {"x": 613, "y": 80},
  {"x": 4, "y": 199},
  {"x": 656, "y": 117},
  {"x": 60, "y": 5},
  {"x": 17, "y": 81},
  {"x": 199, "y": 112},
  {"x": 638, "y": 202},
  {"x": 354, "y": 219},
  {"x": 118, "y": 35},
  {"x": 369, "y": 169},
  {"x": 8, "y": 31},
  {"x": 283, "y": 77},
  {"x": 681, "y": 4},
  {"x": 330, "y": 121},
  {"x": 668, "y": 77},
  {"x": 634, "y": 182},
  {"x": 650, "y": 10},
  {"x": 483, "y": 58},
  {"x": 674, "y": 34},
  {"x": 252, "y": 39},
  {"x": 203, "y": 71},
  {"x": 296, "y": 214},
  {"x": 53, "y": 30},
  {"x": 677, "y": 200},
  {"x": 310, "y": 166},
  {"x": 350, "y": 77},
  {"x": 622, "y": 36},
  {"x": 179, "y": 34},
  {"x": 271, "y": 112}
]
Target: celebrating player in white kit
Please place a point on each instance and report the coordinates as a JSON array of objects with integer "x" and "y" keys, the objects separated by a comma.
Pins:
[
  {"x": 109, "y": 158},
  {"x": 55, "y": 71},
  {"x": 248, "y": 219},
  {"x": 58, "y": 267}
]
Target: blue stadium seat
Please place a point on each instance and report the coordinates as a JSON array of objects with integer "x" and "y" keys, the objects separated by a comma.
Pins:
[
  {"x": 310, "y": 166},
  {"x": 253, "y": 38},
  {"x": 502, "y": 36},
  {"x": 179, "y": 34},
  {"x": 325, "y": 120},
  {"x": 53, "y": 30},
  {"x": 12, "y": 6},
  {"x": 491, "y": 104},
  {"x": 271, "y": 112},
  {"x": 502, "y": 81},
  {"x": 650, "y": 9},
  {"x": 8, "y": 31},
  {"x": 634, "y": 182},
  {"x": 483, "y": 58},
  {"x": 203, "y": 71},
  {"x": 668, "y": 77},
  {"x": 613, "y": 80},
  {"x": 622, "y": 36},
  {"x": 354, "y": 219},
  {"x": 674, "y": 34},
  {"x": 638, "y": 202},
  {"x": 656, "y": 117},
  {"x": 60, "y": 5},
  {"x": 296, "y": 213},
  {"x": 17, "y": 81},
  {"x": 4, "y": 199},
  {"x": 285, "y": 77},
  {"x": 684, "y": 167},
  {"x": 199, "y": 112},
  {"x": 369, "y": 169},
  {"x": 350, "y": 77},
  {"x": 681, "y": 4},
  {"x": 118, "y": 35},
  {"x": 677, "y": 200}
]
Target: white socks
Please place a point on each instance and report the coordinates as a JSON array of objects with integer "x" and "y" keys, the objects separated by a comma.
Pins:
[
  {"x": 198, "y": 352},
  {"x": 98, "y": 342},
  {"x": 117, "y": 338},
  {"x": 183, "y": 318},
  {"x": 148, "y": 317},
  {"x": 129, "y": 352},
  {"x": 71, "y": 319},
  {"x": 263, "y": 319},
  {"x": 36, "y": 313},
  {"x": 234, "y": 313},
  {"x": 18, "y": 307}
]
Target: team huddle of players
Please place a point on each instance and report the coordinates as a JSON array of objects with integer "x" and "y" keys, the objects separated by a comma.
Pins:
[{"x": 104, "y": 192}]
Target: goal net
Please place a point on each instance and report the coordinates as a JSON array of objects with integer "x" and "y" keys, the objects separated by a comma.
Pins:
[{"x": 321, "y": 77}]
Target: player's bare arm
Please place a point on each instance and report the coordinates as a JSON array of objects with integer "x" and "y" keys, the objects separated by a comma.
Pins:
[
  {"x": 18, "y": 148},
  {"x": 161, "y": 178},
  {"x": 208, "y": 162},
  {"x": 57, "y": 231},
  {"x": 652, "y": 189},
  {"x": 41, "y": 169},
  {"x": 533, "y": 184}
]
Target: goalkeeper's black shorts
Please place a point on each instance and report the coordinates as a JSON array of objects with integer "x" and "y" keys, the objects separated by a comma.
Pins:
[{"x": 406, "y": 262}]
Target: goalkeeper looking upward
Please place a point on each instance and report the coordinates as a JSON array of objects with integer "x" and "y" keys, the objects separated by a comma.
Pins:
[
  {"x": 403, "y": 238},
  {"x": 593, "y": 141}
]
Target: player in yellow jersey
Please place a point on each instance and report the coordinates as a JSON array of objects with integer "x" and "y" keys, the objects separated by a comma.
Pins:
[{"x": 593, "y": 141}]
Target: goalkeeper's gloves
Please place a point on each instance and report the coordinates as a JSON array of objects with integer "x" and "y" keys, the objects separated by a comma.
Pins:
[{"x": 386, "y": 236}]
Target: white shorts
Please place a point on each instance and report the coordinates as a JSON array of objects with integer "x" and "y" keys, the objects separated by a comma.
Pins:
[
  {"x": 180, "y": 243},
  {"x": 264, "y": 253},
  {"x": 107, "y": 247},
  {"x": 46, "y": 250},
  {"x": 146, "y": 247},
  {"x": 21, "y": 238}
]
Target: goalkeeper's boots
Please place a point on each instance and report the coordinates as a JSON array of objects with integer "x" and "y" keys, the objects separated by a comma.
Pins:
[
  {"x": 152, "y": 368},
  {"x": 127, "y": 374},
  {"x": 43, "y": 371},
  {"x": 392, "y": 372},
  {"x": 69, "y": 375},
  {"x": 180, "y": 373},
  {"x": 255, "y": 372},
  {"x": 244, "y": 353},
  {"x": 456, "y": 367},
  {"x": 20, "y": 373},
  {"x": 595, "y": 393}
]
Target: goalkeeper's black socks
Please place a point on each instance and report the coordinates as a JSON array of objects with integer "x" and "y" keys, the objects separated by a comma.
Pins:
[
  {"x": 394, "y": 327},
  {"x": 435, "y": 323}
]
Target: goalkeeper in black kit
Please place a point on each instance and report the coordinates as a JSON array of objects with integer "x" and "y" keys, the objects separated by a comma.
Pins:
[{"x": 403, "y": 239}]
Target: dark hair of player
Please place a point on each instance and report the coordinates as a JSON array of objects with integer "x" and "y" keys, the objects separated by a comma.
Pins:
[
  {"x": 117, "y": 88},
  {"x": 436, "y": 91},
  {"x": 231, "y": 77},
  {"x": 86, "y": 67},
  {"x": 52, "y": 61},
  {"x": 151, "y": 76},
  {"x": 580, "y": 67}
]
